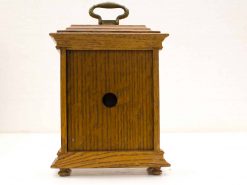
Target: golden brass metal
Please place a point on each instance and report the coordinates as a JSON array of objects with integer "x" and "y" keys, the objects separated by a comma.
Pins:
[{"x": 108, "y": 5}]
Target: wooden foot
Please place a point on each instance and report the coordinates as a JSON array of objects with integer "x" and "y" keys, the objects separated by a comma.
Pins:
[
  {"x": 154, "y": 171},
  {"x": 63, "y": 172}
]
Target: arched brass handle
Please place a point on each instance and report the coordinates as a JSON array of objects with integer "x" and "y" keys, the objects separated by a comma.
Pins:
[{"x": 108, "y": 5}]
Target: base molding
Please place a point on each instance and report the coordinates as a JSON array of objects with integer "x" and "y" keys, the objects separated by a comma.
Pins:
[{"x": 110, "y": 159}]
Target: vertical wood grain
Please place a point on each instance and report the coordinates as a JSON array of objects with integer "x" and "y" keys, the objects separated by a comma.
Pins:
[
  {"x": 63, "y": 100},
  {"x": 127, "y": 126},
  {"x": 156, "y": 100}
]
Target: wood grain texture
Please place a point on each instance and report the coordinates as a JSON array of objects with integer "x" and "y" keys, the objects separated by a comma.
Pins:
[
  {"x": 123, "y": 60},
  {"x": 156, "y": 108},
  {"x": 108, "y": 41},
  {"x": 63, "y": 100},
  {"x": 70, "y": 30},
  {"x": 105, "y": 26},
  {"x": 94, "y": 127},
  {"x": 108, "y": 28},
  {"x": 110, "y": 159}
]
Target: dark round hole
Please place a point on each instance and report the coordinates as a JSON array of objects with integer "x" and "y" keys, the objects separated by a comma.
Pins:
[{"x": 109, "y": 100}]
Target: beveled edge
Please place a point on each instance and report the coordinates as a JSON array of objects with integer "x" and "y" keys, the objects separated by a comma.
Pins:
[
  {"x": 109, "y": 41},
  {"x": 108, "y": 29},
  {"x": 110, "y": 159}
]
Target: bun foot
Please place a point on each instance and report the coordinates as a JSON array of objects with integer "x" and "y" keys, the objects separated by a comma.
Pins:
[
  {"x": 63, "y": 172},
  {"x": 154, "y": 171}
]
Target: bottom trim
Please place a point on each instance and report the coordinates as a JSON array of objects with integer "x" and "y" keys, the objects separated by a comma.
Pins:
[{"x": 110, "y": 159}]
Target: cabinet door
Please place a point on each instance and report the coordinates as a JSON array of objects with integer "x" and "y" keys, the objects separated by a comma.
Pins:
[{"x": 110, "y": 100}]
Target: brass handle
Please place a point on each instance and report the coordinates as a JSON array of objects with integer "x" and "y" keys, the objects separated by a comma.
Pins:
[{"x": 108, "y": 5}]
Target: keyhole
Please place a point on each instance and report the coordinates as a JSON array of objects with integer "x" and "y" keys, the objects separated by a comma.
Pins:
[{"x": 109, "y": 100}]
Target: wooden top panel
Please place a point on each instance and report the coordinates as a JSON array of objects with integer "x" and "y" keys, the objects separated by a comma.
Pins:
[
  {"x": 108, "y": 37},
  {"x": 108, "y": 29}
]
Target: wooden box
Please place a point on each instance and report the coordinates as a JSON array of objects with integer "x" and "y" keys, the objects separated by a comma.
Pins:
[{"x": 109, "y": 96}]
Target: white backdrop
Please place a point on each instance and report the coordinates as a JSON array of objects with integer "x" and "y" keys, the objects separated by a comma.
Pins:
[{"x": 203, "y": 78}]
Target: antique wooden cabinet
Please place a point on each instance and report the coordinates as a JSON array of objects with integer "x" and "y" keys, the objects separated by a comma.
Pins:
[{"x": 109, "y": 96}]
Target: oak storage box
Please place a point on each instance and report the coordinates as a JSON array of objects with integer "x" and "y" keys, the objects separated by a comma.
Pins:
[{"x": 109, "y": 95}]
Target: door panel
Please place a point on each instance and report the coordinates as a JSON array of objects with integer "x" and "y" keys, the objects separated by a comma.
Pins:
[{"x": 93, "y": 126}]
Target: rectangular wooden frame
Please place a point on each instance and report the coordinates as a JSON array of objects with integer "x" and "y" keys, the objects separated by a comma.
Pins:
[
  {"x": 67, "y": 159},
  {"x": 64, "y": 139}
]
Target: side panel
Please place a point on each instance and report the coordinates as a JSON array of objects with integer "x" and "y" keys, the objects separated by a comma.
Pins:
[
  {"x": 156, "y": 100},
  {"x": 127, "y": 126},
  {"x": 63, "y": 101}
]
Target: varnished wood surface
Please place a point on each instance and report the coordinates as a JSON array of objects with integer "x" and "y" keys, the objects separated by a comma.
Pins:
[
  {"x": 122, "y": 59},
  {"x": 63, "y": 95},
  {"x": 108, "y": 28},
  {"x": 64, "y": 172},
  {"x": 156, "y": 108},
  {"x": 107, "y": 25},
  {"x": 154, "y": 171},
  {"x": 111, "y": 159},
  {"x": 94, "y": 127},
  {"x": 108, "y": 41},
  {"x": 106, "y": 31}
]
